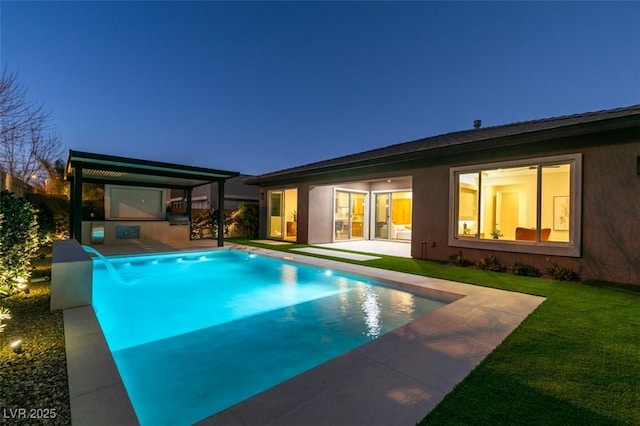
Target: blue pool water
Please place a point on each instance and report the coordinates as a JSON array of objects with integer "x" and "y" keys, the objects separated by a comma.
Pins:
[{"x": 193, "y": 334}]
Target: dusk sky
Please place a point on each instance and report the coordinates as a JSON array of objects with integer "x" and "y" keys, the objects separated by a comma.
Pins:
[{"x": 259, "y": 87}]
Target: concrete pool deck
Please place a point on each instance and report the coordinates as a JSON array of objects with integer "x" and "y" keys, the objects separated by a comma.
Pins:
[{"x": 395, "y": 379}]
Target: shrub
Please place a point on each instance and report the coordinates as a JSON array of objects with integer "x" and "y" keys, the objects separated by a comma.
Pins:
[
  {"x": 205, "y": 224},
  {"x": 490, "y": 263},
  {"x": 525, "y": 270},
  {"x": 18, "y": 241},
  {"x": 459, "y": 260},
  {"x": 561, "y": 273},
  {"x": 46, "y": 224},
  {"x": 245, "y": 220},
  {"x": 4, "y": 315}
]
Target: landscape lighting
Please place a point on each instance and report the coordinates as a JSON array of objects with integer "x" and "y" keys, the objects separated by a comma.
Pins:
[{"x": 16, "y": 346}]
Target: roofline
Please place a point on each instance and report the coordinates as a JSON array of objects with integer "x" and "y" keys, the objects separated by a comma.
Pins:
[{"x": 474, "y": 144}]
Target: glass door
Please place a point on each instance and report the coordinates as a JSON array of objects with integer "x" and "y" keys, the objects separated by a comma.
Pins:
[
  {"x": 357, "y": 215},
  {"x": 392, "y": 215},
  {"x": 283, "y": 216},
  {"x": 382, "y": 215},
  {"x": 349, "y": 215}
]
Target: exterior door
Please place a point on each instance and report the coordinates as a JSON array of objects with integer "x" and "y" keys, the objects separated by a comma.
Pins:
[
  {"x": 283, "y": 216},
  {"x": 349, "y": 215},
  {"x": 382, "y": 215},
  {"x": 392, "y": 215}
]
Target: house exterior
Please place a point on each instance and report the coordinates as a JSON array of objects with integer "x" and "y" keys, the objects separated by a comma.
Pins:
[
  {"x": 206, "y": 196},
  {"x": 563, "y": 189},
  {"x": 13, "y": 184}
]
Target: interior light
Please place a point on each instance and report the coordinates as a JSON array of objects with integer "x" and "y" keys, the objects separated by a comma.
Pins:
[{"x": 16, "y": 345}]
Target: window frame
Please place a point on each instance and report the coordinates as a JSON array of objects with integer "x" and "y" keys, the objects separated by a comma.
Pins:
[{"x": 559, "y": 248}]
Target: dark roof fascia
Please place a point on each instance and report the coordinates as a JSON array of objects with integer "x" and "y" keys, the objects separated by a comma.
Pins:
[{"x": 304, "y": 173}]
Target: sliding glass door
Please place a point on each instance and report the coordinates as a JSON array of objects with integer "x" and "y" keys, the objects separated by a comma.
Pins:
[
  {"x": 283, "y": 215},
  {"x": 392, "y": 215},
  {"x": 349, "y": 215}
]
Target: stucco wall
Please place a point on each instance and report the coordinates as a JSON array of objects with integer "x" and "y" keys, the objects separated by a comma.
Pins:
[
  {"x": 610, "y": 217},
  {"x": 321, "y": 219},
  {"x": 430, "y": 213},
  {"x": 611, "y": 220}
]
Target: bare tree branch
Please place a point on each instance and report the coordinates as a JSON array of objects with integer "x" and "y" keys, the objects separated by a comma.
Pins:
[{"x": 27, "y": 140}]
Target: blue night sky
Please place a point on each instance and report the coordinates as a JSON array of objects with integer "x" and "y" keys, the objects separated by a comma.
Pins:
[{"x": 259, "y": 87}]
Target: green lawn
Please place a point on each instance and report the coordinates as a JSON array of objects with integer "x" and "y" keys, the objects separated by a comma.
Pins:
[{"x": 575, "y": 360}]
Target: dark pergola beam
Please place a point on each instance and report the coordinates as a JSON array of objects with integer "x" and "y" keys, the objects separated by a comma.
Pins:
[
  {"x": 220, "y": 213},
  {"x": 148, "y": 172},
  {"x": 188, "y": 197},
  {"x": 76, "y": 204},
  {"x": 136, "y": 183}
]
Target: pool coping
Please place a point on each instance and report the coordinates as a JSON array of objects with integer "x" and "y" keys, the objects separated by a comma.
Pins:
[{"x": 395, "y": 379}]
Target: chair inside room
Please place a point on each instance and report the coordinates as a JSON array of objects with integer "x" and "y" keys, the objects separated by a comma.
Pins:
[{"x": 528, "y": 234}]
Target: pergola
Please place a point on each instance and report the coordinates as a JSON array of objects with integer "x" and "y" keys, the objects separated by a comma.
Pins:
[{"x": 107, "y": 169}]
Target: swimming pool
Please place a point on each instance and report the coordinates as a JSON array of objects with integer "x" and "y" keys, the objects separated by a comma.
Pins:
[{"x": 194, "y": 333}]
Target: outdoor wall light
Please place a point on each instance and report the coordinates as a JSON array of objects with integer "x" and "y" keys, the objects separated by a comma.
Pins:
[{"x": 16, "y": 346}]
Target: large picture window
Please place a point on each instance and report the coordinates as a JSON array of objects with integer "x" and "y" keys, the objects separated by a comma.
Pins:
[{"x": 525, "y": 206}]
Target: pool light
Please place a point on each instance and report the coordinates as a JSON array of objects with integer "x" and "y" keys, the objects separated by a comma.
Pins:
[{"x": 328, "y": 272}]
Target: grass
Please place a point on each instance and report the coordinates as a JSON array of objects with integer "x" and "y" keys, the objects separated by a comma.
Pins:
[{"x": 574, "y": 360}]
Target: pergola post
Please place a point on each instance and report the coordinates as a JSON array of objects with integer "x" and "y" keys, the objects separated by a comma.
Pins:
[
  {"x": 76, "y": 204},
  {"x": 221, "y": 213},
  {"x": 188, "y": 201}
]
